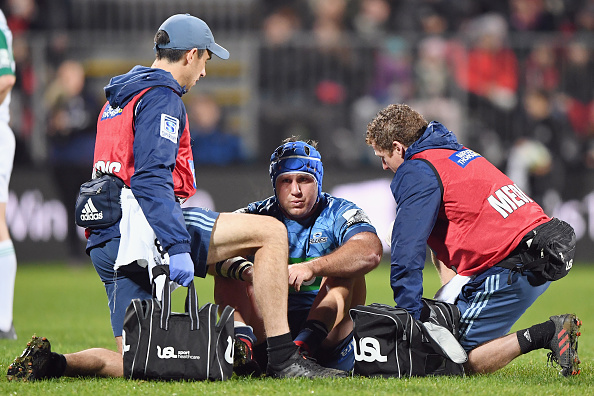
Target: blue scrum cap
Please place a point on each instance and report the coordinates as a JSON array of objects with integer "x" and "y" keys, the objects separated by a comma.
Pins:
[
  {"x": 186, "y": 32},
  {"x": 296, "y": 157}
]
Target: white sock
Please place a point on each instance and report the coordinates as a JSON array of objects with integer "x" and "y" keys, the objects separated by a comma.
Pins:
[{"x": 8, "y": 266}]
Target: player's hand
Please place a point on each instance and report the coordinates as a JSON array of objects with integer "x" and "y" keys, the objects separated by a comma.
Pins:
[
  {"x": 181, "y": 269},
  {"x": 299, "y": 273}
]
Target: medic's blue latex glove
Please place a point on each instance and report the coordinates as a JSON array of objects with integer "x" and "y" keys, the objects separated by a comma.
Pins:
[{"x": 181, "y": 269}]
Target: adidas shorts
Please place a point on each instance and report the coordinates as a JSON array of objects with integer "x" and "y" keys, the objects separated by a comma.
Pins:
[
  {"x": 8, "y": 144},
  {"x": 490, "y": 306},
  {"x": 199, "y": 223}
]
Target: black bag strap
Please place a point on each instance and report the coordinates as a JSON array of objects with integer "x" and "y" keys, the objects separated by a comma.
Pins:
[
  {"x": 192, "y": 299},
  {"x": 225, "y": 316}
]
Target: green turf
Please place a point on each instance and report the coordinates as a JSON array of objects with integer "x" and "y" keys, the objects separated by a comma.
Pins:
[{"x": 68, "y": 305}]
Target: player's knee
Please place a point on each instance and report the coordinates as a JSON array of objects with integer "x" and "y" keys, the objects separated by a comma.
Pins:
[{"x": 272, "y": 229}]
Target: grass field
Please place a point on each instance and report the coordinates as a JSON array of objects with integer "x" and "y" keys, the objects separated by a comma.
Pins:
[{"x": 68, "y": 305}]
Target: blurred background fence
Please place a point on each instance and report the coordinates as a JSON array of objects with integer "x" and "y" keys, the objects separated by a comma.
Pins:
[{"x": 513, "y": 79}]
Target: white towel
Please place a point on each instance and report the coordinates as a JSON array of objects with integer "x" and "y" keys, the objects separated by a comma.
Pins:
[
  {"x": 138, "y": 240},
  {"x": 451, "y": 290}
]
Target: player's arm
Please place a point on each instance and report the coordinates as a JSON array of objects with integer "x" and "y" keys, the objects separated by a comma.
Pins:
[
  {"x": 418, "y": 198},
  {"x": 359, "y": 255},
  {"x": 359, "y": 251},
  {"x": 155, "y": 152}
]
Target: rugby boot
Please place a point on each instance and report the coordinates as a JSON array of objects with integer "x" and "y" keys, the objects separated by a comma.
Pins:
[
  {"x": 243, "y": 359},
  {"x": 301, "y": 365},
  {"x": 564, "y": 344},
  {"x": 33, "y": 363}
]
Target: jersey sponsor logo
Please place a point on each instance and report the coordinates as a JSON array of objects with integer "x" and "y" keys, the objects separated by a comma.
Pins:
[
  {"x": 111, "y": 112},
  {"x": 108, "y": 167},
  {"x": 169, "y": 127},
  {"x": 464, "y": 157},
  {"x": 168, "y": 352},
  {"x": 317, "y": 238},
  {"x": 508, "y": 199},
  {"x": 90, "y": 212},
  {"x": 369, "y": 351},
  {"x": 355, "y": 216}
]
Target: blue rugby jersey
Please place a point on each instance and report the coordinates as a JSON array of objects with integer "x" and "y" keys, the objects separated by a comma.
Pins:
[{"x": 334, "y": 222}]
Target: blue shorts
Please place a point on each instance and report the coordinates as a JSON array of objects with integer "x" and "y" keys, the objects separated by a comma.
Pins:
[
  {"x": 199, "y": 223},
  {"x": 132, "y": 281},
  {"x": 490, "y": 306}
]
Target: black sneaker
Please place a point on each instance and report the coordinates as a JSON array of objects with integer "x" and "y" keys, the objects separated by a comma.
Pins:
[
  {"x": 301, "y": 365},
  {"x": 243, "y": 359},
  {"x": 33, "y": 362},
  {"x": 564, "y": 344}
]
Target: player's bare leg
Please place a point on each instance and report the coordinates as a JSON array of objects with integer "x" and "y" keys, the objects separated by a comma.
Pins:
[
  {"x": 493, "y": 355},
  {"x": 95, "y": 362},
  {"x": 266, "y": 238}
]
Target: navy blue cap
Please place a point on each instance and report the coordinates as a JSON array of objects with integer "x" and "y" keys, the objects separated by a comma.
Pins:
[{"x": 186, "y": 32}]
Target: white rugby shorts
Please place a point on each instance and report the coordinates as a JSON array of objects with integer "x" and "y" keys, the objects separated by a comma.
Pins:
[{"x": 8, "y": 144}]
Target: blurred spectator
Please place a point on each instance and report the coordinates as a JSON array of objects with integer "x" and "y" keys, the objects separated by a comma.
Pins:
[
  {"x": 544, "y": 150},
  {"x": 211, "y": 143},
  {"x": 72, "y": 113},
  {"x": 433, "y": 88},
  {"x": 584, "y": 17},
  {"x": 373, "y": 18},
  {"x": 280, "y": 64},
  {"x": 309, "y": 82},
  {"x": 392, "y": 82},
  {"x": 530, "y": 15},
  {"x": 488, "y": 72},
  {"x": 392, "y": 77},
  {"x": 432, "y": 21},
  {"x": 541, "y": 71},
  {"x": 577, "y": 86},
  {"x": 21, "y": 105},
  {"x": 22, "y": 15}
]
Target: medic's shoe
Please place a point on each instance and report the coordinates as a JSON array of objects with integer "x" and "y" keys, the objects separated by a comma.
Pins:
[
  {"x": 33, "y": 363},
  {"x": 243, "y": 359},
  {"x": 301, "y": 365},
  {"x": 564, "y": 344}
]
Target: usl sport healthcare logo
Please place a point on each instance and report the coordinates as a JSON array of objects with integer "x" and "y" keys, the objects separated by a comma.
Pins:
[
  {"x": 168, "y": 352},
  {"x": 90, "y": 212}
]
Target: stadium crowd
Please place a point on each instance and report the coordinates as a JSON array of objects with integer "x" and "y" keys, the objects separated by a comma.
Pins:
[{"x": 511, "y": 77}]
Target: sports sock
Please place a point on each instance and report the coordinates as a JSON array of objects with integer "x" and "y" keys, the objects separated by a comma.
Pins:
[
  {"x": 536, "y": 337},
  {"x": 56, "y": 365},
  {"x": 8, "y": 268},
  {"x": 311, "y": 336},
  {"x": 245, "y": 332},
  {"x": 280, "y": 349}
]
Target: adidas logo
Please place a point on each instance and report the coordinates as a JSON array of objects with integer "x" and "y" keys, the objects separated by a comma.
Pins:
[
  {"x": 527, "y": 335},
  {"x": 90, "y": 212}
]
